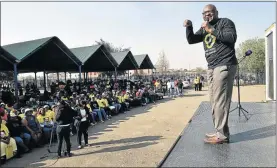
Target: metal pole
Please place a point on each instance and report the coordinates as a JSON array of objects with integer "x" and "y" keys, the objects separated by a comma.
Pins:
[
  {"x": 47, "y": 78},
  {"x": 44, "y": 81},
  {"x": 58, "y": 76},
  {"x": 36, "y": 79},
  {"x": 65, "y": 76},
  {"x": 80, "y": 74},
  {"x": 15, "y": 81},
  {"x": 115, "y": 74}
]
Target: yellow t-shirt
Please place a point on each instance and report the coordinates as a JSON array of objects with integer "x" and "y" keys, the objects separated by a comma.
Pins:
[
  {"x": 196, "y": 80},
  {"x": 5, "y": 129},
  {"x": 126, "y": 97},
  {"x": 88, "y": 106},
  {"x": 46, "y": 118},
  {"x": 120, "y": 99},
  {"x": 91, "y": 95},
  {"x": 21, "y": 116},
  {"x": 106, "y": 102},
  {"x": 101, "y": 103},
  {"x": 51, "y": 114},
  {"x": 64, "y": 98},
  {"x": 11, "y": 147}
]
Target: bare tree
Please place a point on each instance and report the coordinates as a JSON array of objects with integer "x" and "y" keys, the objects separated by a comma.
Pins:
[
  {"x": 162, "y": 64},
  {"x": 111, "y": 48}
]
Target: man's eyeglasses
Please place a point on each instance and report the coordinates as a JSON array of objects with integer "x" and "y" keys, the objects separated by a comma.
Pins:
[{"x": 208, "y": 12}]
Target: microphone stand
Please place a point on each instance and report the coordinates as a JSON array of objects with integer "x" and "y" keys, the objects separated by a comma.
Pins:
[{"x": 239, "y": 107}]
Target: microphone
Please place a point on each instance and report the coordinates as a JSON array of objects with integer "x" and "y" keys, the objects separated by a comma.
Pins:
[
  {"x": 206, "y": 20},
  {"x": 248, "y": 53}
]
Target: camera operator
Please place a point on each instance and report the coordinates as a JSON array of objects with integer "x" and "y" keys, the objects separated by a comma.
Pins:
[{"x": 64, "y": 117}]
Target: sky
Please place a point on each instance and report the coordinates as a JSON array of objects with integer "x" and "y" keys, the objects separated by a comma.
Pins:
[{"x": 146, "y": 27}]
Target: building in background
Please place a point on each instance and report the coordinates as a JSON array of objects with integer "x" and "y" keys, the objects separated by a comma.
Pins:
[{"x": 271, "y": 63}]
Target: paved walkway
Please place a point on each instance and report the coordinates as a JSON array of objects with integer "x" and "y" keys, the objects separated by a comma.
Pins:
[{"x": 140, "y": 138}]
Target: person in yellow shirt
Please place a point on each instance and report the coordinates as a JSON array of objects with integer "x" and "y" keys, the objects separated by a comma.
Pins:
[
  {"x": 157, "y": 85},
  {"x": 103, "y": 104},
  {"x": 49, "y": 112},
  {"x": 8, "y": 144},
  {"x": 46, "y": 123},
  {"x": 196, "y": 83},
  {"x": 121, "y": 100}
]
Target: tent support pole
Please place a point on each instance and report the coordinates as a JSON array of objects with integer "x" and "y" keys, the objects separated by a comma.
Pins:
[
  {"x": 115, "y": 74},
  {"x": 80, "y": 76},
  {"x": 44, "y": 80},
  {"x": 15, "y": 82}
]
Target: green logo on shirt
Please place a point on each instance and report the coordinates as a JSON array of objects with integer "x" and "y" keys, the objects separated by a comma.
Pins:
[{"x": 209, "y": 40}]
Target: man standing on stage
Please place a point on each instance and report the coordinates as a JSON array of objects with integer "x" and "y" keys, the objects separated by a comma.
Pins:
[{"x": 219, "y": 37}]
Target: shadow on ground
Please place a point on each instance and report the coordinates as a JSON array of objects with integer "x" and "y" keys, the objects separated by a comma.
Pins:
[
  {"x": 38, "y": 155},
  {"x": 254, "y": 134}
]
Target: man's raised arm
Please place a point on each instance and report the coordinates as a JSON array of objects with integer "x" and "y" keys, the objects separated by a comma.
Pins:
[{"x": 193, "y": 38}]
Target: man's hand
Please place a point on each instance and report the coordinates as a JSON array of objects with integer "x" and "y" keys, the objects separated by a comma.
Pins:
[
  {"x": 208, "y": 28},
  {"x": 187, "y": 23}
]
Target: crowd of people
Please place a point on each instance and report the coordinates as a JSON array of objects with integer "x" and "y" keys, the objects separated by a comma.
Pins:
[{"x": 30, "y": 121}]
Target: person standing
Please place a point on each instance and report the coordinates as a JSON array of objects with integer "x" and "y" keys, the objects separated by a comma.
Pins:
[
  {"x": 64, "y": 117},
  {"x": 219, "y": 37},
  {"x": 82, "y": 123},
  {"x": 196, "y": 83}
]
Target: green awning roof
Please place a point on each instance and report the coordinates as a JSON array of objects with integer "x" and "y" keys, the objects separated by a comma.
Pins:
[
  {"x": 144, "y": 61},
  {"x": 46, "y": 54},
  {"x": 125, "y": 60},
  {"x": 6, "y": 60},
  {"x": 22, "y": 49},
  {"x": 95, "y": 58}
]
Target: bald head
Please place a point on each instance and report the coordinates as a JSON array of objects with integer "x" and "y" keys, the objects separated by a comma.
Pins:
[
  {"x": 210, "y": 6},
  {"x": 210, "y": 13}
]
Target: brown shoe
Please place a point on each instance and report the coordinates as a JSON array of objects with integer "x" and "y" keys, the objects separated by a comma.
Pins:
[{"x": 215, "y": 140}]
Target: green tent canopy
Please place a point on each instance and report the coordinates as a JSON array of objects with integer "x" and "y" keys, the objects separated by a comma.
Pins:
[
  {"x": 95, "y": 58},
  {"x": 46, "y": 54},
  {"x": 125, "y": 60},
  {"x": 144, "y": 61}
]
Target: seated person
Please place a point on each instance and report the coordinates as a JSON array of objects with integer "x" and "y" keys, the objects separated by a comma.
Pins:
[
  {"x": 17, "y": 131},
  {"x": 99, "y": 111},
  {"x": 113, "y": 104},
  {"x": 139, "y": 96},
  {"x": 46, "y": 124},
  {"x": 152, "y": 95},
  {"x": 92, "y": 117},
  {"x": 146, "y": 96},
  {"x": 103, "y": 104},
  {"x": 8, "y": 144},
  {"x": 49, "y": 112},
  {"x": 3, "y": 115},
  {"x": 33, "y": 127},
  {"x": 121, "y": 101}
]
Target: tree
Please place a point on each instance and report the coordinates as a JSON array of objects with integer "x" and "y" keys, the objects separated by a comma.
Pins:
[
  {"x": 256, "y": 62},
  {"x": 111, "y": 48},
  {"x": 162, "y": 64},
  {"x": 199, "y": 70}
]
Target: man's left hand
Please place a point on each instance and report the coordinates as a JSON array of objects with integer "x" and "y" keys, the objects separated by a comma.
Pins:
[{"x": 208, "y": 28}]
